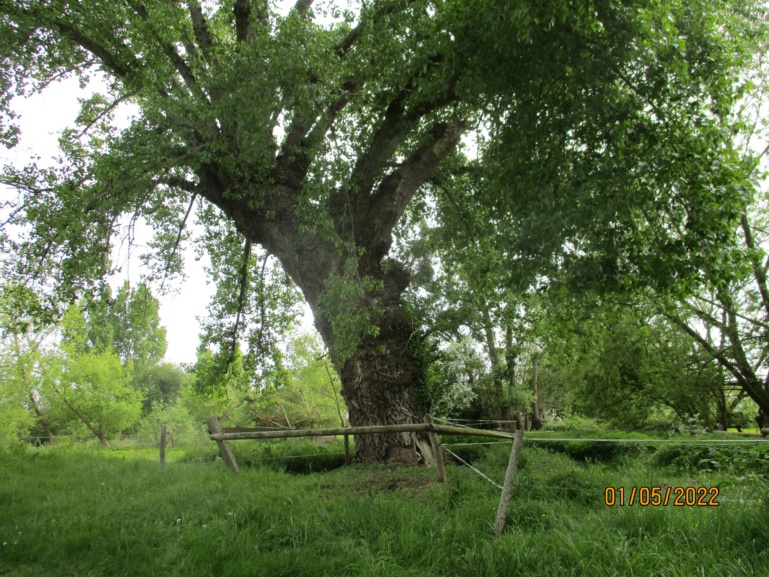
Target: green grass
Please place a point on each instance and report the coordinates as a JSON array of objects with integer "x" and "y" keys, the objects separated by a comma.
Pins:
[{"x": 84, "y": 512}]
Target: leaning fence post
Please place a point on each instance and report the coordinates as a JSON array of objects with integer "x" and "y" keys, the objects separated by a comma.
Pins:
[
  {"x": 437, "y": 451},
  {"x": 163, "y": 438},
  {"x": 512, "y": 468},
  {"x": 224, "y": 449}
]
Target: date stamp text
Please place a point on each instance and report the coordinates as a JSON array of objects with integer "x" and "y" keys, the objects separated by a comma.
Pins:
[{"x": 661, "y": 496}]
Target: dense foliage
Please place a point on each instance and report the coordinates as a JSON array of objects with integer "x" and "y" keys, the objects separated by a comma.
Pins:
[{"x": 585, "y": 145}]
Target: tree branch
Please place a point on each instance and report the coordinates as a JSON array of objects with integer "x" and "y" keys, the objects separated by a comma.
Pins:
[
  {"x": 386, "y": 140},
  {"x": 396, "y": 125},
  {"x": 178, "y": 239},
  {"x": 122, "y": 71},
  {"x": 758, "y": 271},
  {"x": 353, "y": 35},
  {"x": 200, "y": 29},
  {"x": 344, "y": 46},
  {"x": 106, "y": 111},
  {"x": 181, "y": 184},
  {"x": 386, "y": 207},
  {"x": 464, "y": 219},
  {"x": 243, "y": 28},
  {"x": 241, "y": 296},
  {"x": 262, "y": 303},
  {"x": 718, "y": 323},
  {"x": 302, "y": 6},
  {"x": 716, "y": 354},
  {"x": 323, "y": 125},
  {"x": 80, "y": 415},
  {"x": 735, "y": 341},
  {"x": 706, "y": 317},
  {"x": 169, "y": 50}
]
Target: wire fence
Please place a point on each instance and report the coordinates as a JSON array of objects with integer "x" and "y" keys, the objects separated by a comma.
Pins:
[
  {"x": 647, "y": 441},
  {"x": 594, "y": 491},
  {"x": 473, "y": 468},
  {"x": 144, "y": 443}
]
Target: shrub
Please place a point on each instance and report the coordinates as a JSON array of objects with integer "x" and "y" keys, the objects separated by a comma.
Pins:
[
  {"x": 600, "y": 451},
  {"x": 701, "y": 457}
]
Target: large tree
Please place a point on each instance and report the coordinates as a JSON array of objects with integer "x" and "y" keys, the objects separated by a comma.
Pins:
[{"x": 310, "y": 132}]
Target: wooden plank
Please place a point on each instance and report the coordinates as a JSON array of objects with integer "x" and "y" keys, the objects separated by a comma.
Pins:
[
  {"x": 449, "y": 430},
  {"x": 163, "y": 441},
  {"x": 507, "y": 489},
  {"x": 331, "y": 432},
  {"x": 249, "y": 429},
  {"x": 215, "y": 431},
  {"x": 437, "y": 451}
]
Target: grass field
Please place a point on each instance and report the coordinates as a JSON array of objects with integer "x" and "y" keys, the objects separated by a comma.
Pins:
[{"x": 72, "y": 511}]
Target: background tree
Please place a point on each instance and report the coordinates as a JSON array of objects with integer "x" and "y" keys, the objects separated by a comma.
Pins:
[
  {"x": 456, "y": 378},
  {"x": 254, "y": 306},
  {"x": 127, "y": 324},
  {"x": 727, "y": 316},
  {"x": 20, "y": 404},
  {"x": 312, "y": 137},
  {"x": 161, "y": 385},
  {"x": 94, "y": 386},
  {"x": 26, "y": 363},
  {"x": 311, "y": 394}
]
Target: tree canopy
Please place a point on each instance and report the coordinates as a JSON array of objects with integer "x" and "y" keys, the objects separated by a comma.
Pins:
[{"x": 586, "y": 137}]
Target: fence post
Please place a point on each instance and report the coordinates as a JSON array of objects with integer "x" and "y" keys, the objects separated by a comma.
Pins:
[
  {"x": 224, "y": 449},
  {"x": 512, "y": 468},
  {"x": 163, "y": 440},
  {"x": 437, "y": 451}
]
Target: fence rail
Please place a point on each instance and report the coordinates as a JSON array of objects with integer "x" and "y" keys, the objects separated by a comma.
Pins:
[{"x": 368, "y": 430}]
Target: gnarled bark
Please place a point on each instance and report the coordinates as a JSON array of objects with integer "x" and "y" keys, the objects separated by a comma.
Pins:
[{"x": 380, "y": 379}]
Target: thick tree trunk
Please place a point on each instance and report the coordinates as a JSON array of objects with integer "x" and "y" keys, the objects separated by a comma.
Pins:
[
  {"x": 380, "y": 389},
  {"x": 380, "y": 376},
  {"x": 380, "y": 380}
]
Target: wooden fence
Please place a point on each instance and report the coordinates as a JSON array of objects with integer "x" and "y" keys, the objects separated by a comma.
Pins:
[{"x": 222, "y": 435}]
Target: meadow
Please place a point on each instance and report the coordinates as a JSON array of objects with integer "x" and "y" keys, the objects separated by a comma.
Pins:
[{"x": 81, "y": 511}]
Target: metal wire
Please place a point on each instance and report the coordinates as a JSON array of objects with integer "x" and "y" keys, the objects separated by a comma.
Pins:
[
  {"x": 534, "y": 439},
  {"x": 473, "y": 444},
  {"x": 473, "y": 468},
  {"x": 698, "y": 442}
]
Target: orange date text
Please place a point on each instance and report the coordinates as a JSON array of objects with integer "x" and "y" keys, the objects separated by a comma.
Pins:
[{"x": 661, "y": 496}]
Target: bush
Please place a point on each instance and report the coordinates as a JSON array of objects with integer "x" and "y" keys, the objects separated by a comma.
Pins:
[
  {"x": 573, "y": 423},
  {"x": 298, "y": 456},
  {"x": 700, "y": 457},
  {"x": 182, "y": 426},
  {"x": 600, "y": 451}
]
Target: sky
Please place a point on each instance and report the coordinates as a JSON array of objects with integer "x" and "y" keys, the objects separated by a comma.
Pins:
[{"x": 42, "y": 118}]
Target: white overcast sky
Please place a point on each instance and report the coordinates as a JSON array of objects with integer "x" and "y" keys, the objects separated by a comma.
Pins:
[{"x": 42, "y": 118}]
